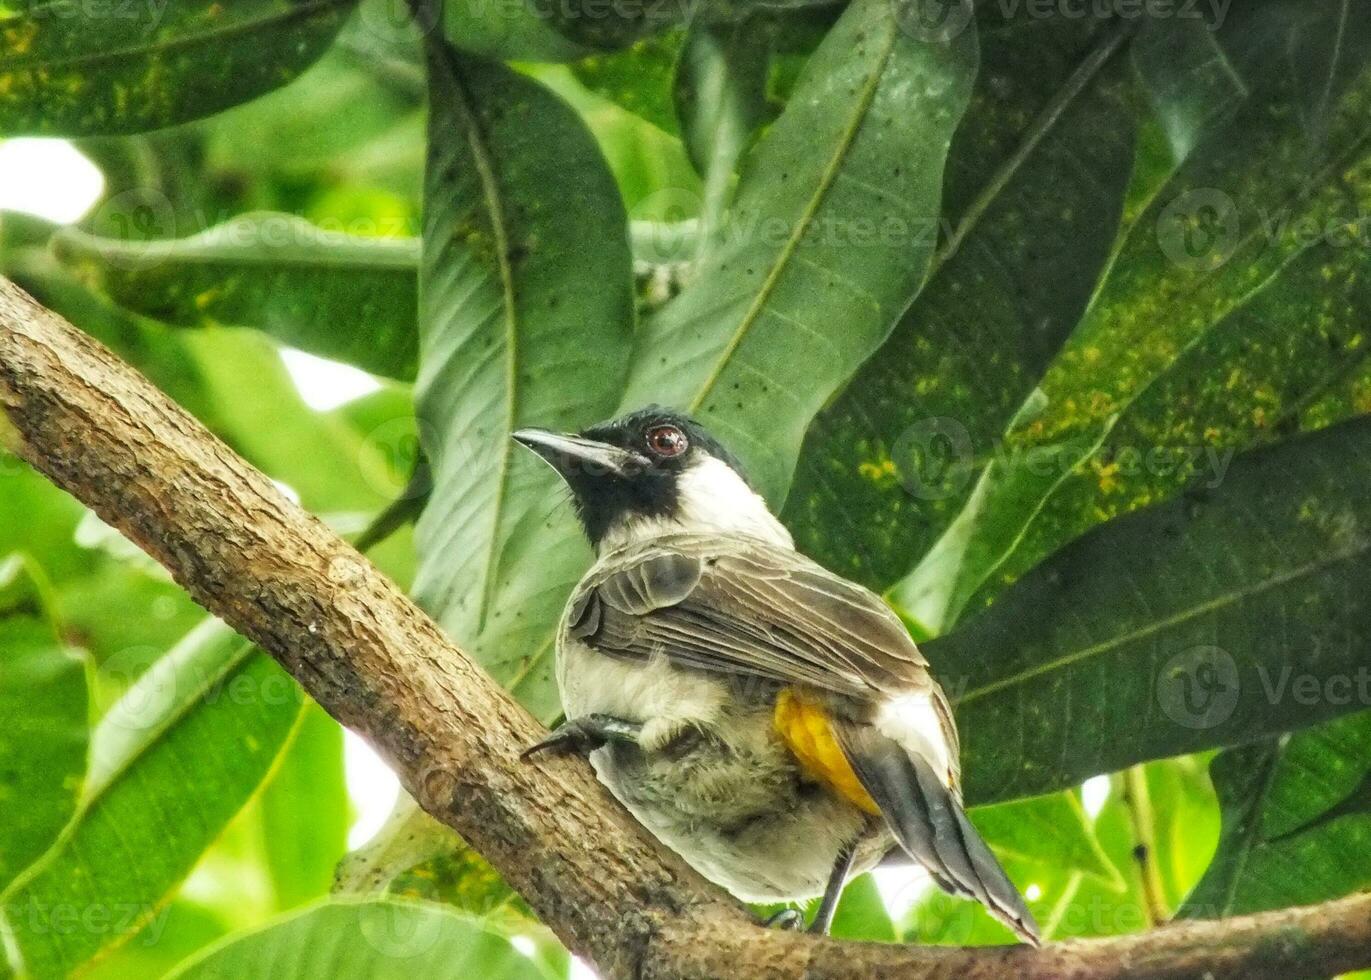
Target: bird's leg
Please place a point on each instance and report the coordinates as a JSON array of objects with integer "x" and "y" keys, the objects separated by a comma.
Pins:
[
  {"x": 586, "y": 734},
  {"x": 837, "y": 878}
]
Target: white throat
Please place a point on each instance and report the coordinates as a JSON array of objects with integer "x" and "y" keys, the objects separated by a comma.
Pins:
[{"x": 713, "y": 499}]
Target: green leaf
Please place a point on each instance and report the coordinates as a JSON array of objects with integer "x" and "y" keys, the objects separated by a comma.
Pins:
[
  {"x": 1035, "y": 184},
  {"x": 638, "y": 78},
  {"x": 340, "y": 296},
  {"x": 43, "y": 699},
  {"x": 506, "y": 31},
  {"x": 526, "y": 314},
  {"x": 77, "y": 70},
  {"x": 171, "y": 763},
  {"x": 306, "y": 812},
  {"x": 274, "y": 430},
  {"x": 1049, "y": 829},
  {"x": 1223, "y": 318},
  {"x": 720, "y": 95},
  {"x": 355, "y": 120},
  {"x": 1299, "y": 802},
  {"x": 827, "y": 242},
  {"x": 371, "y": 940},
  {"x": 861, "y": 913},
  {"x": 1198, "y": 620},
  {"x": 1190, "y": 76}
]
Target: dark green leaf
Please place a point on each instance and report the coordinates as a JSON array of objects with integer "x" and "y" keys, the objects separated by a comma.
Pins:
[
  {"x": 1199, "y": 620},
  {"x": 171, "y": 763},
  {"x": 372, "y": 940},
  {"x": 340, "y": 296},
  {"x": 1035, "y": 184},
  {"x": 1296, "y": 816},
  {"x": 77, "y": 69},
  {"x": 637, "y": 78},
  {"x": 526, "y": 316},
  {"x": 506, "y": 31},
  {"x": 43, "y": 699},
  {"x": 828, "y": 241},
  {"x": 1234, "y": 302}
]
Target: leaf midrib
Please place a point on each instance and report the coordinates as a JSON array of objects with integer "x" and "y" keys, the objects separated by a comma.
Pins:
[
  {"x": 826, "y": 179},
  {"x": 490, "y": 191},
  {"x": 1220, "y": 601}
]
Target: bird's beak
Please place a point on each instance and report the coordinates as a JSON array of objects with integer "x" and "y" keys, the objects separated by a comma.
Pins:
[{"x": 567, "y": 452}]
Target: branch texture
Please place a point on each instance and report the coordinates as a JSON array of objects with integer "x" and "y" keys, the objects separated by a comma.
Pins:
[{"x": 380, "y": 666}]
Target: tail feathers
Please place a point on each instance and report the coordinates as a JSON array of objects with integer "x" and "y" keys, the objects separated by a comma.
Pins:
[{"x": 931, "y": 826}]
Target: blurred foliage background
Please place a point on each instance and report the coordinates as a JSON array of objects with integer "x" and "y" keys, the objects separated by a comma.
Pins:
[{"x": 1048, "y": 321}]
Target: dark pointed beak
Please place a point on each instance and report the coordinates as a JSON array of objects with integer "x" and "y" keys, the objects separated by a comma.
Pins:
[{"x": 566, "y": 452}]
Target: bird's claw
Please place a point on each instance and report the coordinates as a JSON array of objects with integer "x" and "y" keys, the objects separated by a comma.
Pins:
[
  {"x": 790, "y": 919},
  {"x": 585, "y": 734}
]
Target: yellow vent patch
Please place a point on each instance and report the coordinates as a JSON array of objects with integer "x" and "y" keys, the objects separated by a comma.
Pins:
[{"x": 804, "y": 727}]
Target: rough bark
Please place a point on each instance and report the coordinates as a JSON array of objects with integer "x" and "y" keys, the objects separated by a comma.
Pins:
[{"x": 381, "y": 667}]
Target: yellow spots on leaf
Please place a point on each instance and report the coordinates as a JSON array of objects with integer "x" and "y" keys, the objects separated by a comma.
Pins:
[
  {"x": 1106, "y": 475},
  {"x": 881, "y": 472},
  {"x": 204, "y": 299},
  {"x": 1091, "y": 355},
  {"x": 19, "y": 39}
]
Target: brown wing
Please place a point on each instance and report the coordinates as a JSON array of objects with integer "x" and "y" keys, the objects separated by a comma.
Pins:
[{"x": 743, "y": 606}]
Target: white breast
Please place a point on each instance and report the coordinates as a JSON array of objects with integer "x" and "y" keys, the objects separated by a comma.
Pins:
[{"x": 592, "y": 683}]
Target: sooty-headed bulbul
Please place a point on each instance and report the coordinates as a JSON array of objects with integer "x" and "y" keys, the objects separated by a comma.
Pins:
[{"x": 769, "y": 721}]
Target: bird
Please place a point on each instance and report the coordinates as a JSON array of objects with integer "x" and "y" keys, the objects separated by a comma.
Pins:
[{"x": 768, "y": 720}]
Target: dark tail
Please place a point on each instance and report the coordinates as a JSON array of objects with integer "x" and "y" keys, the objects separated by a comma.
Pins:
[{"x": 931, "y": 826}]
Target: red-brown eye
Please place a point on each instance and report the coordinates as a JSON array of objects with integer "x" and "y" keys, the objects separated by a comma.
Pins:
[{"x": 667, "y": 441}]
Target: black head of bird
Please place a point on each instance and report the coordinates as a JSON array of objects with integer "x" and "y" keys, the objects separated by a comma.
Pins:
[{"x": 653, "y": 469}]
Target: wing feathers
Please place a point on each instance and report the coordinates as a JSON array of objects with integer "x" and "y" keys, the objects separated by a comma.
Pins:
[
  {"x": 747, "y": 607},
  {"x": 931, "y": 826}
]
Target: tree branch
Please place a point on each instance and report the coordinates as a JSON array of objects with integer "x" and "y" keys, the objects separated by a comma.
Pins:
[{"x": 381, "y": 667}]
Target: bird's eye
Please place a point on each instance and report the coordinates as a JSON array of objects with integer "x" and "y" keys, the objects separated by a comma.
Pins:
[{"x": 667, "y": 441}]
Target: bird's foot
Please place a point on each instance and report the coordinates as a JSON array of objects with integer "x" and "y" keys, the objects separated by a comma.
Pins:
[
  {"x": 791, "y": 919},
  {"x": 586, "y": 734}
]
